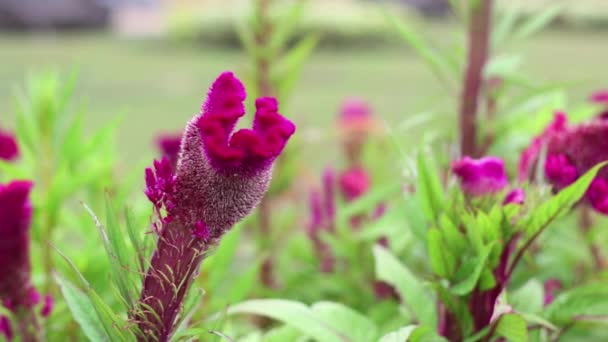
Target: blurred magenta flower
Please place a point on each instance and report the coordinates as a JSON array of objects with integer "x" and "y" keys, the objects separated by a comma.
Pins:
[
  {"x": 169, "y": 145},
  {"x": 515, "y": 196},
  {"x": 480, "y": 176},
  {"x": 551, "y": 286},
  {"x": 9, "y": 150},
  {"x": 354, "y": 183},
  {"x": 322, "y": 206},
  {"x": 355, "y": 123},
  {"x": 572, "y": 150},
  {"x": 599, "y": 97},
  {"x": 531, "y": 154},
  {"x": 15, "y": 219},
  {"x": 355, "y": 113},
  {"x": 560, "y": 171},
  {"x": 220, "y": 177},
  {"x": 16, "y": 289}
]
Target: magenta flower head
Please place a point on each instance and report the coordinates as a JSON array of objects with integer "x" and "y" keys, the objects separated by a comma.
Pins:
[
  {"x": 9, "y": 150},
  {"x": 355, "y": 123},
  {"x": 573, "y": 152},
  {"x": 220, "y": 177},
  {"x": 530, "y": 156},
  {"x": 169, "y": 145},
  {"x": 354, "y": 183},
  {"x": 15, "y": 219},
  {"x": 355, "y": 112},
  {"x": 480, "y": 176},
  {"x": 16, "y": 290}
]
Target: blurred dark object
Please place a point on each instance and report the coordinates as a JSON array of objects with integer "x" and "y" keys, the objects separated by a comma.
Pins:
[
  {"x": 20, "y": 15},
  {"x": 429, "y": 8}
]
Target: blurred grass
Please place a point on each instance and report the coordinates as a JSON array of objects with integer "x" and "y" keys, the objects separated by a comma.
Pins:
[{"x": 156, "y": 86}]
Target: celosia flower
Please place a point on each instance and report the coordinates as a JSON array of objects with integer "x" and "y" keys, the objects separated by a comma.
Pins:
[
  {"x": 169, "y": 145},
  {"x": 220, "y": 177},
  {"x": 480, "y": 176},
  {"x": 574, "y": 150},
  {"x": 354, "y": 183},
  {"x": 322, "y": 217},
  {"x": 16, "y": 290},
  {"x": 355, "y": 113},
  {"x": 355, "y": 122},
  {"x": 9, "y": 149},
  {"x": 15, "y": 219},
  {"x": 530, "y": 156}
]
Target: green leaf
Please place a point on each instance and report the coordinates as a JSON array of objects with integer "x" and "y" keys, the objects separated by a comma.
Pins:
[
  {"x": 455, "y": 240},
  {"x": 512, "y": 327},
  {"x": 559, "y": 204},
  {"x": 430, "y": 56},
  {"x": 365, "y": 203},
  {"x": 288, "y": 69},
  {"x": 410, "y": 288},
  {"x": 83, "y": 311},
  {"x": 400, "y": 335},
  {"x": 470, "y": 271},
  {"x": 429, "y": 187},
  {"x": 586, "y": 302},
  {"x": 537, "y": 22},
  {"x": 291, "y": 313},
  {"x": 528, "y": 298},
  {"x": 285, "y": 26},
  {"x": 442, "y": 261},
  {"x": 348, "y": 322}
]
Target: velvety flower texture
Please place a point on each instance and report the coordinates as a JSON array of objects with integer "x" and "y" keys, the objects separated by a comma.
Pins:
[
  {"x": 15, "y": 219},
  {"x": 16, "y": 290},
  {"x": 169, "y": 146},
  {"x": 9, "y": 149},
  {"x": 480, "y": 176},
  {"x": 571, "y": 152},
  {"x": 220, "y": 177}
]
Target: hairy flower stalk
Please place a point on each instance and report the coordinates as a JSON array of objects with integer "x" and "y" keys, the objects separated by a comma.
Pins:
[
  {"x": 17, "y": 292},
  {"x": 220, "y": 177}
]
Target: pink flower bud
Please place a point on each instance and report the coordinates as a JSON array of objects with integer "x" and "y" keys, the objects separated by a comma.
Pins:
[
  {"x": 515, "y": 196},
  {"x": 480, "y": 176}
]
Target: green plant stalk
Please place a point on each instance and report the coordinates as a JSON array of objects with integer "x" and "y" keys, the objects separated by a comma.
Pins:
[
  {"x": 586, "y": 224},
  {"x": 478, "y": 52},
  {"x": 264, "y": 88}
]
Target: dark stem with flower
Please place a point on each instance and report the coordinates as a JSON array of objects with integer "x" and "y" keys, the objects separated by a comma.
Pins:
[{"x": 220, "y": 177}]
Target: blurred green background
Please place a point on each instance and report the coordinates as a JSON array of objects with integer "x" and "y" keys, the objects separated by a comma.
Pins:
[{"x": 150, "y": 65}]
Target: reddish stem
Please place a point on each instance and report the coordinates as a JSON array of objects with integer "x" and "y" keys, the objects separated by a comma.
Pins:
[
  {"x": 478, "y": 51},
  {"x": 175, "y": 261}
]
